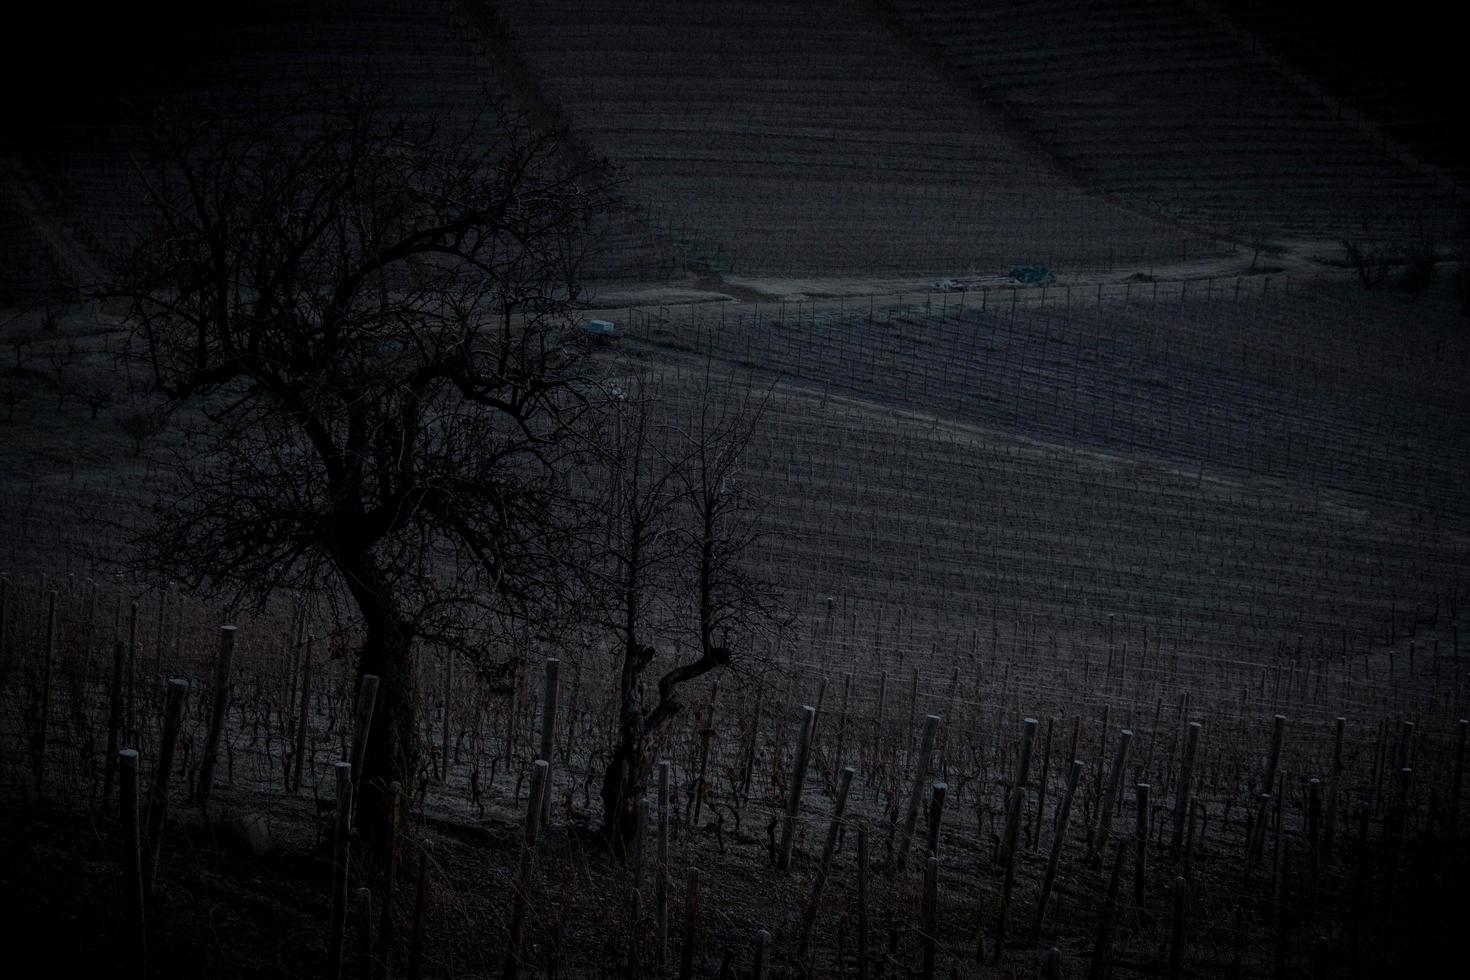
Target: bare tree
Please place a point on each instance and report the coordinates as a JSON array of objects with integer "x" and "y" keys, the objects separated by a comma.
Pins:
[
  {"x": 363, "y": 326},
  {"x": 680, "y": 523}
]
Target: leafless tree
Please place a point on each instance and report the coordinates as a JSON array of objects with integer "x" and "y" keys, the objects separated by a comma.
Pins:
[
  {"x": 363, "y": 326},
  {"x": 680, "y": 523}
]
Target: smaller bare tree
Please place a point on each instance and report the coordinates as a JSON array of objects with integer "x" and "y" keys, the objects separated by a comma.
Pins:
[{"x": 680, "y": 526}]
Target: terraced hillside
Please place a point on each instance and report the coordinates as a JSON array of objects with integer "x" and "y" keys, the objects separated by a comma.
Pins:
[
  {"x": 428, "y": 59},
  {"x": 1151, "y": 100},
  {"x": 942, "y": 554},
  {"x": 1399, "y": 71},
  {"x": 803, "y": 137}
]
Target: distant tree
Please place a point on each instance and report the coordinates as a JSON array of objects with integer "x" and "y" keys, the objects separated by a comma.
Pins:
[
  {"x": 141, "y": 419},
  {"x": 363, "y": 325},
  {"x": 1368, "y": 260}
]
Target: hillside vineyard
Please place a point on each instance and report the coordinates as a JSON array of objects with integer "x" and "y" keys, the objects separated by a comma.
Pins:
[{"x": 995, "y": 505}]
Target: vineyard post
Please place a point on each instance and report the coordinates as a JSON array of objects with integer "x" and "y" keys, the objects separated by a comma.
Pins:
[
  {"x": 661, "y": 865},
  {"x": 1268, "y": 782},
  {"x": 129, "y": 718},
  {"x": 390, "y": 873},
  {"x": 1182, "y": 793},
  {"x": 49, "y": 654},
  {"x": 1104, "y": 824},
  {"x": 299, "y": 761},
  {"x": 1102, "y": 951},
  {"x": 691, "y": 923},
  {"x": 929, "y": 917},
  {"x": 1141, "y": 833},
  {"x": 837, "y": 759},
  {"x": 524, "y": 872},
  {"x": 220, "y": 702},
  {"x": 420, "y": 905},
  {"x": 809, "y": 917},
  {"x": 158, "y": 792},
  {"x": 444, "y": 725},
  {"x": 1028, "y": 742},
  {"x": 936, "y": 817},
  {"x": 1457, "y": 781},
  {"x": 862, "y": 900},
  {"x": 1176, "y": 932},
  {"x": 1064, "y": 812},
  {"x": 1041, "y": 785},
  {"x": 337, "y": 928},
  {"x": 548, "y": 731},
  {"x": 1329, "y": 829},
  {"x": 798, "y": 777},
  {"x": 132, "y": 898},
  {"x": 878, "y": 722},
  {"x": 1008, "y": 865},
  {"x": 363, "y": 901},
  {"x": 114, "y": 718},
  {"x": 921, "y": 774},
  {"x": 762, "y": 955},
  {"x": 1314, "y": 830}
]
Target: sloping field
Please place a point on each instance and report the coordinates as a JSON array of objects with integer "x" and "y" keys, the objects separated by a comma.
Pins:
[
  {"x": 941, "y": 557},
  {"x": 803, "y": 137},
  {"x": 427, "y": 58},
  {"x": 1149, "y": 100},
  {"x": 1399, "y": 71}
]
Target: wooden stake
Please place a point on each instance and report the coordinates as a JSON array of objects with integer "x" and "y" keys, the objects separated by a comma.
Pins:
[
  {"x": 364, "y": 906},
  {"x": 299, "y": 756},
  {"x": 929, "y": 917},
  {"x": 135, "y": 942},
  {"x": 548, "y": 730},
  {"x": 1104, "y": 823},
  {"x": 1457, "y": 781},
  {"x": 1102, "y": 951},
  {"x": 691, "y": 923},
  {"x": 158, "y": 792},
  {"x": 420, "y": 904},
  {"x": 337, "y": 928},
  {"x": 219, "y": 704},
  {"x": 1182, "y": 792},
  {"x": 809, "y": 917},
  {"x": 921, "y": 775},
  {"x": 114, "y": 718},
  {"x": 1141, "y": 835},
  {"x": 1041, "y": 786},
  {"x": 798, "y": 778},
  {"x": 1176, "y": 932},
  {"x": 936, "y": 817},
  {"x": 522, "y": 903},
  {"x": 862, "y": 900},
  {"x": 762, "y": 955},
  {"x": 1064, "y": 811},
  {"x": 38, "y": 746},
  {"x": 661, "y": 866},
  {"x": 1008, "y": 865}
]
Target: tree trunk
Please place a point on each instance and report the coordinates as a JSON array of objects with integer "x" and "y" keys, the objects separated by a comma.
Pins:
[
  {"x": 626, "y": 776},
  {"x": 391, "y": 754},
  {"x": 622, "y": 787}
]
